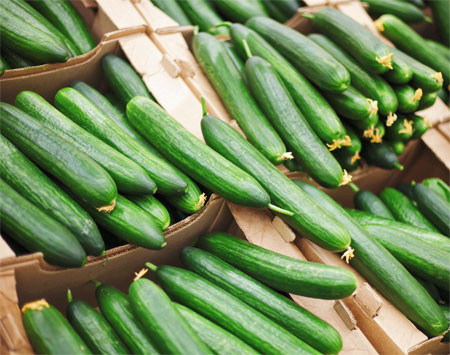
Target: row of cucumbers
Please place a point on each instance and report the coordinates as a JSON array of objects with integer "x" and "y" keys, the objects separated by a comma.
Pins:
[{"x": 41, "y": 31}]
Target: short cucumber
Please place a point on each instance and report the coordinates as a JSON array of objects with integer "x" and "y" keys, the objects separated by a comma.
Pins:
[
  {"x": 427, "y": 100},
  {"x": 401, "y": 72},
  {"x": 164, "y": 325},
  {"x": 439, "y": 48},
  {"x": 380, "y": 155},
  {"x": 398, "y": 147},
  {"x": 14, "y": 60},
  {"x": 153, "y": 207},
  {"x": 408, "y": 98},
  {"x": 240, "y": 11},
  {"x": 303, "y": 324},
  {"x": 402, "y": 129},
  {"x": 348, "y": 161},
  {"x": 49, "y": 332},
  {"x": 203, "y": 15},
  {"x": 420, "y": 125},
  {"x": 174, "y": 10},
  {"x": 371, "y": 203},
  {"x": 191, "y": 202},
  {"x": 407, "y": 12},
  {"x": 441, "y": 15},
  {"x": 274, "y": 11},
  {"x": 3, "y": 65},
  {"x": 356, "y": 145},
  {"x": 439, "y": 186}
]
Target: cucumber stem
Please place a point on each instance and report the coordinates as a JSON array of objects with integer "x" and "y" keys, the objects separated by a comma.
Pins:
[
  {"x": 428, "y": 19},
  {"x": 279, "y": 210},
  {"x": 248, "y": 53},
  {"x": 204, "y": 111},
  {"x": 96, "y": 283},
  {"x": 353, "y": 187},
  {"x": 69, "y": 295},
  {"x": 151, "y": 266},
  {"x": 399, "y": 166}
]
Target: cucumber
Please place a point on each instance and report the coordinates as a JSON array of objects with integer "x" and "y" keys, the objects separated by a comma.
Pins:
[
  {"x": 93, "y": 328},
  {"x": 278, "y": 271},
  {"x": 403, "y": 210},
  {"x": 420, "y": 124},
  {"x": 367, "y": 48},
  {"x": 226, "y": 79},
  {"x": 435, "y": 207},
  {"x": 82, "y": 175},
  {"x": 427, "y": 100},
  {"x": 164, "y": 325},
  {"x": 439, "y": 186},
  {"x": 49, "y": 332},
  {"x": 441, "y": 15},
  {"x": 219, "y": 340},
  {"x": 398, "y": 147},
  {"x": 274, "y": 11},
  {"x": 29, "y": 181},
  {"x": 14, "y": 60},
  {"x": 380, "y": 155},
  {"x": 238, "y": 62},
  {"x": 432, "y": 290},
  {"x": 348, "y": 161},
  {"x": 407, "y": 12},
  {"x": 310, "y": 59},
  {"x": 356, "y": 145},
  {"x": 371, "y": 86},
  {"x": 66, "y": 19},
  {"x": 116, "y": 308},
  {"x": 202, "y": 14},
  {"x": 439, "y": 48},
  {"x": 174, "y": 10},
  {"x": 368, "y": 123},
  {"x": 128, "y": 176},
  {"x": 383, "y": 271},
  {"x": 154, "y": 208},
  {"x": 406, "y": 189},
  {"x": 37, "y": 231},
  {"x": 371, "y": 203},
  {"x": 288, "y": 7},
  {"x": 402, "y": 129},
  {"x": 401, "y": 72},
  {"x": 303, "y": 324},
  {"x": 312, "y": 104},
  {"x": 191, "y": 202},
  {"x": 308, "y": 219},
  {"x": 280, "y": 109},
  {"x": 3, "y": 65},
  {"x": 408, "y": 98},
  {"x": 193, "y": 156},
  {"x": 240, "y": 11},
  {"x": 230, "y": 313},
  {"x": 444, "y": 96},
  {"x": 83, "y": 112}
]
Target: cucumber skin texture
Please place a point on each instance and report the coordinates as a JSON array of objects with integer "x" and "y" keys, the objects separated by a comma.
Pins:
[
  {"x": 50, "y": 333},
  {"x": 434, "y": 207},
  {"x": 164, "y": 325},
  {"x": 353, "y": 37},
  {"x": 153, "y": 207},
  {"x": 219, "y": 340},
  {"x": 128, "y": 176},
  {"x": 401, "y": 72},
  {"x": 83, "y": 112},
  {"x": 379, "y": 154},
  {"x": 407, "y": 12},
  {"x": 224, "y": 309},
  {"x": 439, "y": 48},
  {"x": 311, "y": 103},
  {"x": 240, "y": 11},
  {"x": 420, "y": 125},
  {"x": 203, "y": 15},
  {"x": 238, "y": 62},
  {"x": 372, "y": 86},
  {"x": 384, "y": 272},
  {"x": 173, "y": 9},
  {"x": 29, "y": 181},
  {"x": 398, "y": 147},
  {"x": 65, "y": 18},
  {"x": 81, "y": 174},
  {"x": 441, "y": 14},
  {"x": 393, "y": 132},
  {"x": 303, "y": 324},
  {"x": 93, "y": 328},
  {"x": 116, "y": 308},
  {"x": 309, "y": 58},
  {"x": 279, "y": 107},
  {"x": 308, "y": 219},
  {"x": 405, "y": 94},
  {"x": 279, "y": 271},
  {"x": 369, "y": 202},
  {"x": 14, "y": 60},
  {"x": 36, "y": 231},
  {"x": 350, "y": 104},
  {"x": 427, "y": 100},
  {"x": 3, "y": 65},
  {"x": 193, "y": 156},
  {"x": 439, "y": 186},
  {"x": 226, "y": 79}
]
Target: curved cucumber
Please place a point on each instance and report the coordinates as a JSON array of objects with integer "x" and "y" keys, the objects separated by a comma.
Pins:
[
  {"x": 402, "y": 9},
  {"x": 408, "y": 98},
  {"x": 240, "y": 11},
  {"x": 174, "y": 10},
  {"x": 154, "y": 208},
  {"x": 203, "y": 15}
]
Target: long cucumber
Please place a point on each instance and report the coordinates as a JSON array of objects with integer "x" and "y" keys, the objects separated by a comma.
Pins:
[
  {"x": 369, "y": 202},
  {"x": 203, "y": 15},
  {"x": 152, "y": 206}
]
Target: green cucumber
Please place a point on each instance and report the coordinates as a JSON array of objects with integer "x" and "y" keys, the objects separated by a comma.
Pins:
[
  {"x": 49, "y": 332},
  {"x": 274, "y": 11},
  {"x": 408, "y": 98},
  {"x": 439, "y": 48},
  {"x": 288, "y": 7},
  {"x": 238, "y": 62},
  {"x": 202, "y": 14},
  {"x": 432, "y": 290},
  {"x": 401, "y": 72},
  {"x": 226, "y": 79},
  {"x": 420, "y": 125},
  {"x": 439, "y": 186},
  {"x": 219, "y": 340},
  {"x": 370, "y": 85},
  {"x": 308, "y": 219},
  {"x": 367, "y": 123},
  {"x": 380, "y": 155},
  {"x": 441, "y": 15},
  {"x": 164, "y": 325},
  {"x": 229, "y": 312},
  {"x": 82, "y": 175},
  {"x": 278, "y": 271},
  {"x": 444, "y": 96},
  {"x": 303, "y": 324},
  {"x": 373, "y": 54},
  {"x": 427, "y": 100},
  {"x": 3, "y": 65},
  {"x": 402, "y": 129},
  {"x": 116, "y": 308},
  {"x": 29, "y": 181},
  {"x": 240, "y": 11},
  {"x": 154, "y": 208},
  {"x": 407, "y": 12},
  {"x": 191, "y": 202},
  {"x": 280, "y": 109},
  {"x": 174, "y": 10},
  {"x": 14, "y": 60},
  {"x": 369, "y": 202},
  {"x": 406, "y": 189},
  {"x": 348, "y": 161},
  {"x": 403, "y": 209},
  {"x": 435, "y": 207},
  {"x": 128, "y": 176},
  {"x": 383, "y": 271},
  {"x": 93, "y": 328},
  {"x": 398, "y": 147},
  {"x": 356, "y": 145}
]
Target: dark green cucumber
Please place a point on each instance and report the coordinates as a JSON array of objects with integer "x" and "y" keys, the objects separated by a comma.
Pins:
[
  {"x": 356, "y": 145},
  {"x": 191, "y": 202},
  {"x": 401, "y": 72},
  {"x": 380, "y": 155},
  {"x": 312, "y": 104},
  {"x": 427, "y": 100},
  {"x": 444, "y": 96},
  {"x": 398, "y": 147},
  {"x": 403, "y": 210},
  {"x": 229, "y": 312},
  {"x": 420, "y": 124},
  {"x": 154, "y": 208},
  {"x": 280, "y": 109},
  {"x": 367, "y": 123},
  {"x": 402, "y": 129},
  {"x": 240, "y": 11},
  {"x": 371, "y": 203},
  {"x": 278, "y": 271},
  {"x": 309, "y": 58},
  {"x": 439, "y": 186},
  {"x": 288, "y": 7},
  {"x": 14, "y": 60},
  {"x": 79, "y": 109},
  {"x": 116, "y": 308},
  {"x": 226, "y": 79},
  {"x": 3, "y": 65},
  {"x": 441, "y": 15},
  {"x": 407, "y": 12},
  {"x": 164, "y": 325},
  {"x": 439, "y": 48},
  {"x": 408, "y": 98},
  {"x": 29, "y": 181},
  {"x": 348, "y": 161},
  {"x": 238, "y": 62},
  {"x": 38, "y": 232},
  {"x": 308, "y": 219},
  {"x": 66, "y": 19},
  {"x": 367, "y": 48},
  {"x": 406, "y": 189},
  {"x": 128, "y": 176},
  {"x": 274, "y": 11},
  {"x": 435, "y": 207},
  {"x": 303, "y": 324},
  {"x": 193, "y": 156},
  {"x": 125, "y": 82},
  {"x": 383, "y": 271},
  {"x": 219, "y": 340},
  {"x": 80, "y": 173},
  {"x": 370, "y": 85},
  {"x": 174, "y": 10},
  {"x": 418, "y": 3},
  {"x": 93, "y": 328},
  {"x": 202, "y": 14},
  {"x": 49, "y": 332},
  {"x": 432, "y": 290}
]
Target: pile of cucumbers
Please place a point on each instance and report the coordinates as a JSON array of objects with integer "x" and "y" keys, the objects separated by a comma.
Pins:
[{"x": 41, "y": 31}]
